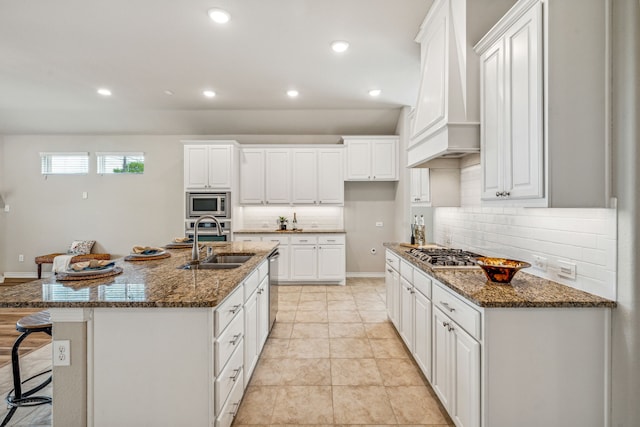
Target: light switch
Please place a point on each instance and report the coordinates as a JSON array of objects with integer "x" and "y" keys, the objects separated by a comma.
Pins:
[{"x": 85, "y": 195}]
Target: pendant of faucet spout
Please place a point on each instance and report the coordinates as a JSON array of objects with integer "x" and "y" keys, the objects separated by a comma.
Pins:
[{"x": 195, "y": 253}]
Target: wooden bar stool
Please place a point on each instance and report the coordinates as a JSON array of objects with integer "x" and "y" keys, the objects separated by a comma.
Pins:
[{"x": 37, "y": 322}]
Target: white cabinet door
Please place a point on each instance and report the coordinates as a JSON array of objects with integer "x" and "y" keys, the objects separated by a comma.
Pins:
[
  {"x": 420, "y": 191},
  {"x": 406, "y": 312},
  {"x": 220, "y": 160},
  {"x": 304, "y": 262},
  {"x": 278, "y": 178},
  {"x": 523, "y": 96},
  {"x": 330, "y": 177},
  {"x": 263, "y": 313},
  {"x": 305, "y": 178},
  {"x": 384, "y": 160},
  {"x": 441, "y": 375},
  {"x": 492, "y": 129},
  {"x": 358, "y": 160},
  {"x": 422, "y": 333},
  {"x": 252, "y": 176},
  {"x": 466, "y": 379},
  {"x": 331, "y": 262},
  {"x": 392, "y": 283},
  {"x": 195, "y": 167},
  {"x": 250, "y": 336}
]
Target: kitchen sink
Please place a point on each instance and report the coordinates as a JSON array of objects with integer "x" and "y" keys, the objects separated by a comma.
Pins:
[{"x": 218, "y": 262}]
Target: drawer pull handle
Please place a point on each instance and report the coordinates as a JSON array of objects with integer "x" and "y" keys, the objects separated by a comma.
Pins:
[
  {"x": 446, "y": 305},
  {"x": 389, "y": 260},
  {"x": 445, "y": 324},
  {"x": 235, "y": 411},
  {"x": 235, "y": 339},
  {"x": 235, "y": 376},
  {"x": 303, "y": 240},
  {"x": 235, "y": 308},
  {"x": 331, "y": 240},
  {"x": 389, "y": 270}
]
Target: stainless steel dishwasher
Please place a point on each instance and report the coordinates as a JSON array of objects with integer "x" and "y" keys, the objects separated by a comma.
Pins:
[{"x": 273, "y": 286}]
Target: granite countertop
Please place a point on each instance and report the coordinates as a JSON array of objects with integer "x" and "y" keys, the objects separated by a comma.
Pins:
[
  {"x": 153, "y": 283},
  {"x": 274, "y": 231},
  {"x": 525, "y": 290}
]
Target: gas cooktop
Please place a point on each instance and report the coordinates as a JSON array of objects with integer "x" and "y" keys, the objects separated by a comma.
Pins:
[{"x": 445, "y": 258}]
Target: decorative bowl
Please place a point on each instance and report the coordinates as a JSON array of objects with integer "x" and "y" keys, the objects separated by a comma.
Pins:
[{"x": 500, "y": 270}]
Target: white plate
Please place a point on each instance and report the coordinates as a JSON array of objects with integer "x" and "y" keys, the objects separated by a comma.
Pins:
[
  {"x": 72, "y": 272},
  {"x": 148, "y": 255}
]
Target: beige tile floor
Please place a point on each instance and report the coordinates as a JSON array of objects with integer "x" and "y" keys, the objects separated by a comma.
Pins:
[{"x": 333, "y": 358}]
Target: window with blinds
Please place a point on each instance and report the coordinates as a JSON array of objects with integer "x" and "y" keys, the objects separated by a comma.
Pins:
[
  {"x": 112, "y": 163},
  {"x": 64, "y": 163}
]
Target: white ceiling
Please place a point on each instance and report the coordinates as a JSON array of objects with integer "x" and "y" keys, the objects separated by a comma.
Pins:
[{"x": 55, "y": 54}]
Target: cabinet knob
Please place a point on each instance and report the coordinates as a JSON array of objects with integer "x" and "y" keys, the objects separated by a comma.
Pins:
[
  {"x": 374, "y": 177},
  {"x": 445, "y": 324},
  {"x": 319, "y": 201},
  {"x": 507, "y": 193},
  {"x": 497, "y": 194}
]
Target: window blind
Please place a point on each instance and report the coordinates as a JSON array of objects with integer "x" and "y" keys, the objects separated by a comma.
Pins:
[
  {"x": 61, "y": 163},
  {"x": 121, "y": 162}
]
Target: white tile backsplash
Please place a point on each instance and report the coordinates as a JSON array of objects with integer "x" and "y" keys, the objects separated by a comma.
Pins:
[
  {"x": 309, "y": 217},
  {"x": 586, "y": 237}
]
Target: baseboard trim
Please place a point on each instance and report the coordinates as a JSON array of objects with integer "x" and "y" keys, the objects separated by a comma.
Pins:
[
  {"x": 22, "y": 275},
  {"x": 360, "y": 274}
]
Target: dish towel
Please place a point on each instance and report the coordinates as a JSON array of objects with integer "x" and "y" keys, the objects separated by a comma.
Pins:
[{"x": 61, "y": 263}]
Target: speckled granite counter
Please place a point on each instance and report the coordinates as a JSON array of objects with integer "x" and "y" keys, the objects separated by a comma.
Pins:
[
  {"x": 305, "y": 230},
  {"x": 157, "y": 283},
  {"x": 525, "y": 290}
]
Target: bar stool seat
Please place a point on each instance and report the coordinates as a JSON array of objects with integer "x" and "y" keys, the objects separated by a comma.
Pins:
[{"x": 37, "y": 322}]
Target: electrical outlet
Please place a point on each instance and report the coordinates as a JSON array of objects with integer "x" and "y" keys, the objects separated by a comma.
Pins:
[
  {"x": 20, "y": 258},
  {"x": 7, "y": 208},
  {"x": 567, "y": 269},
  {"x": 539, "y": 263},
  {"x": 85, "y": 195},
  {"x": 61, "y": 353}
]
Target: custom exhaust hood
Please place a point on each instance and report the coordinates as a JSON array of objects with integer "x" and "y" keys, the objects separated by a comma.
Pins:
[{"x": 445, "y": 122}]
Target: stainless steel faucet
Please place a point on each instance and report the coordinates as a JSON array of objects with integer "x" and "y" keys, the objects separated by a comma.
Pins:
[{"x": 195, "y": 253}]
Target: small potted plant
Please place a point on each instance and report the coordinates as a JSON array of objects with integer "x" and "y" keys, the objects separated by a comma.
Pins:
[{"x": 283, "y": 222}]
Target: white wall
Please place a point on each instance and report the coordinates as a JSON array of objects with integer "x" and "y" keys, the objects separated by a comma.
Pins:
[
  {"x": 120, "y": 211},
  {"x": 586, "y": 237}
]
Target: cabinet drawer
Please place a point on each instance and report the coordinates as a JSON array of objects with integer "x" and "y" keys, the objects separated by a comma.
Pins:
[
  {"x": 263, "y": 271},
  {"x": 406, "y": 270},
  {"x": 331, "y": 239},
  {"x": 304, "y": 240},
  {"x": 247, "y": 238},
  {"x": 393, "y": 260},
  {"x": 230, "y": 409},
  {"x": 283, "y": 240},
  {"x": 251, "y": 284},
  {"x": 231, "y": 374},
  {"x": 226, "y": 311},
  {"x": 458, "y": 310},
  {"x": 422, "y": 282},
  {"x": 227, "y": 342}
]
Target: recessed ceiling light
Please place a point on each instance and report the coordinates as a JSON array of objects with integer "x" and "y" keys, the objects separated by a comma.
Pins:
[
  {"x": 104, "y": 91},
  {"x": 340, "y": 46},
  {"x": 219, "y": 16},
  {"x": 209, "y": 93},
  {"x": 375, "y": 92},
  {"x": 168, "y": 92},
  {"x": 292, "y": 93}
]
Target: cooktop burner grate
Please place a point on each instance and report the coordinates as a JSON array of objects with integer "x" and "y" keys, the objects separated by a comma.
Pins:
[{"x": 445, "y": 258}]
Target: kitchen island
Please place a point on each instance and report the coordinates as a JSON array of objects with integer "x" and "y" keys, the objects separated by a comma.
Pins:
[
  {"x": 530, "y": 353},
  {"x": 156, "y": 345}
]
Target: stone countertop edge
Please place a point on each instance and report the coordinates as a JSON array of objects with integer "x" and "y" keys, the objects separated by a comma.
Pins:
[
  {"x": 149, "y": 284},
  {"x": 525, "y": 290},
  {"x": 304, "y": 231}
]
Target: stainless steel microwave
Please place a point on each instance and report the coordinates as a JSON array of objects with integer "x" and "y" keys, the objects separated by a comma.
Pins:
[{"x": 216, "y": 204}]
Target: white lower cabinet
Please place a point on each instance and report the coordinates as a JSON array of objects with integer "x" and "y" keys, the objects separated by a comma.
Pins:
[
  {"x": 502, "y": 366},
  {"x": 306, "y": 257},
  {"x": 256, "y": 324}
]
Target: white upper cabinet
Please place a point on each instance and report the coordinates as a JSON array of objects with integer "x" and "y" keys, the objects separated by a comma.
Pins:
[
  {"x": 279, "y": 175},
  {"x": 252, "y": 173},
  {"x": 208, "y": 167},
  {"x": 371, "y": 158},
  {"x": 544, "y": 135},
  {"x": 420, "y": 186},
  {"x": 317, "y": 176}
]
